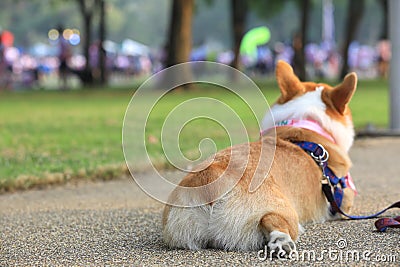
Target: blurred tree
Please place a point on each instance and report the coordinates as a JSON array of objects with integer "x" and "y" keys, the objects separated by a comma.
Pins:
[
  {"x": 238, "y": 16},
  {"x": 87, "y": 9},
  {"x": 266, "y": 8},
  {"x": 102, "y": 38},
  {"x": 385, "y": 23},
  {"x": 126, "y": 19},
  {"x": 179, "y": 42},
  {"x": 355, "y": 12},
  {"x": 300, "y": 40}
]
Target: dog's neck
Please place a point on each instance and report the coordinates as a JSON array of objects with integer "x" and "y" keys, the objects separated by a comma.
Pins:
[
  {"x": 296, "y": 130},
  {"x": 305, "y": 124}
]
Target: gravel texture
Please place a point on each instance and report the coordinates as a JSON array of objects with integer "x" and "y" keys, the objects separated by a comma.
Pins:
[{"x": 114, "y": 223}]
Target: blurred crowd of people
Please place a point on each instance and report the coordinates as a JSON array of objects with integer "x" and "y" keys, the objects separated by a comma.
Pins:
[
  {"x": 22, "y": 68},
  {"x": 324, "y": 61},
  {"x": 27, "y": 68}
]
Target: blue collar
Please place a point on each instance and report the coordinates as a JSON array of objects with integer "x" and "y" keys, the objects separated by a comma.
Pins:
[{"x": 321, "y": 156}]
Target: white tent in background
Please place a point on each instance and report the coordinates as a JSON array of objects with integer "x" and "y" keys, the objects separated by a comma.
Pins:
[
  {"x": 110, "y": 46},
  {"x": 133, "y": 48},
  {"x": 42, "y": 50}
]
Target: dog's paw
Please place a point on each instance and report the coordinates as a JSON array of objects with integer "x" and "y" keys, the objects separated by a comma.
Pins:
[{"x": 280, "y": 244}]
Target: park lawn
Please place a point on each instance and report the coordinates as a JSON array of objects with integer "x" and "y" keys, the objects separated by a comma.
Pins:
[
  {"x": 370, "y": 104},
  {"x": 52, "y": 137}
]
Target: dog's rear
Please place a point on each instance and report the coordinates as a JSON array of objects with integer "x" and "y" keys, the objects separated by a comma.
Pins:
[{"x": 291, "y": 193}]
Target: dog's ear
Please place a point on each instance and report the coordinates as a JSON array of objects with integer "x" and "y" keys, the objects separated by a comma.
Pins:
[
  {"x": 288, "y": 82},
  {"x": 341, "y": 94}
]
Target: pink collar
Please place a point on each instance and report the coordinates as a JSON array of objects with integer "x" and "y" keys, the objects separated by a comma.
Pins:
[{"x": 304, "y": 124}]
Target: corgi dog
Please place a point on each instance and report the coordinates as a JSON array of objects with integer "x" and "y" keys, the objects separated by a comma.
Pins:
[{"x": 289, "y": 194}]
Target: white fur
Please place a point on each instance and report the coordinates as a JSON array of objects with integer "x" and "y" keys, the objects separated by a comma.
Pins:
[
  {"x": 231, "y": 223},
  {"x": 186, "y": 227},
  {"x": 280, "y": 243},
  {"x": 301, "y": 229},
  {"x": 310, "y": 106}
]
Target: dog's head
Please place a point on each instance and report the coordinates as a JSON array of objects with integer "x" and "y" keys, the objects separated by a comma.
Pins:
[{"x": 319, "y": 102}]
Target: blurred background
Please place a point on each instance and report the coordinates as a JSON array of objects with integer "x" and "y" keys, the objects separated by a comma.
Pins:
[
  {"x": 68, "y": 69},
  {"x": 57, "y": 44}
]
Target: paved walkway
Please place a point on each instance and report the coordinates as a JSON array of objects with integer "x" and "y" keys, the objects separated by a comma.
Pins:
[{"x": 115, "y": 223}]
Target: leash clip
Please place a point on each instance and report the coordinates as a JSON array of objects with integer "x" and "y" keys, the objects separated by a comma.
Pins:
[{"x": 325, "y": 179}]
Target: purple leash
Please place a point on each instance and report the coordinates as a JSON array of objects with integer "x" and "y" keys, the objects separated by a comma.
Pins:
[
  {"x": 381, "y": 225},
  {"x": 320, "y": 156}
]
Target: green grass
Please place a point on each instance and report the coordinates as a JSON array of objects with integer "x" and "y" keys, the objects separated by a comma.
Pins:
[
  {"x": 51, "y": 137},
  {"x": 55, "y": 135},
  {"x": 370, "y": 104}
]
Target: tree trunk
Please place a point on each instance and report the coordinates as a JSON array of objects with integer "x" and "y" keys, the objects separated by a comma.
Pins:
[
  {"x": 180, "y": 32},
  {"x": 86, "y": 75},
  {"x": 300, "y": 40},
  {"x": 102, "y": 37},
  {"x": 238, "y": 15},
  {"x": 354, "y": 15},
  {"x": 385, "y": 19},
  {"x": 179, "y": 43}
]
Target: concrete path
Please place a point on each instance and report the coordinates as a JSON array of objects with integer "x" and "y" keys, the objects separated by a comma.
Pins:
[{"x": 115, "y": 223}]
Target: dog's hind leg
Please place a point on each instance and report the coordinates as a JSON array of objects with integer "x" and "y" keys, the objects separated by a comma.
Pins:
[{"x": 281, "y": 227}]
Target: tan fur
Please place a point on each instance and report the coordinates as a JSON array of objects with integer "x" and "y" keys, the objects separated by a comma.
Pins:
[{"x": 290, "y": 194}]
